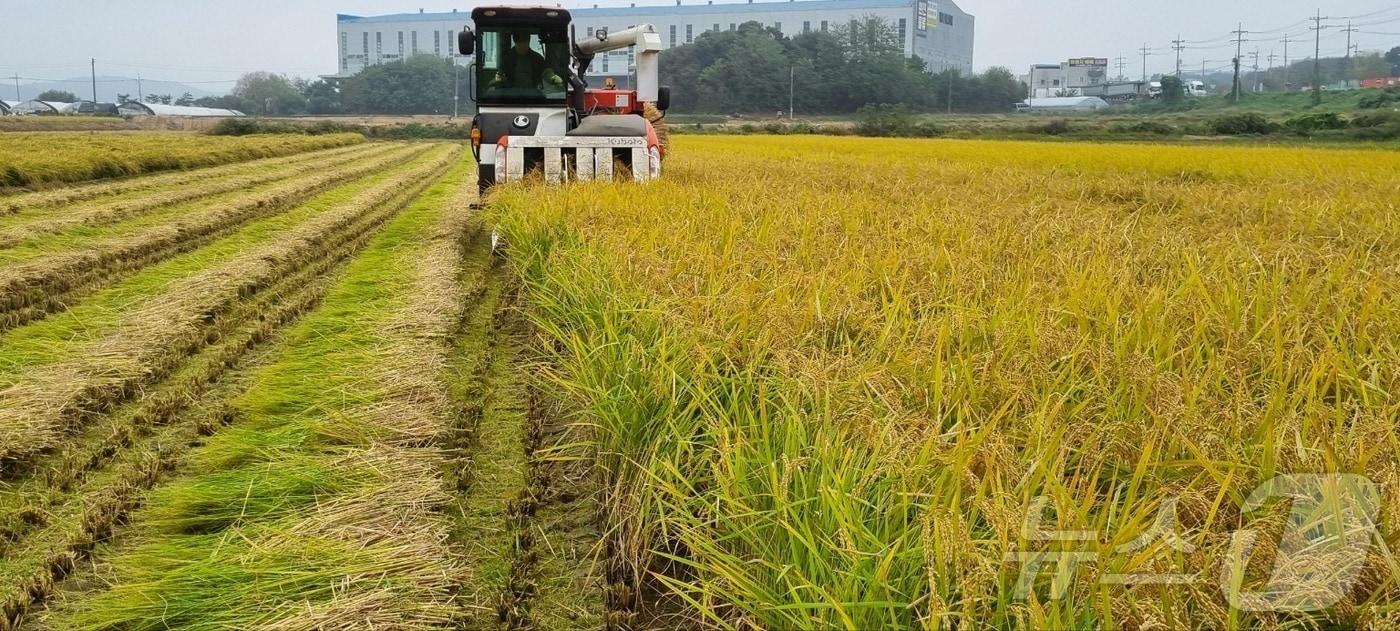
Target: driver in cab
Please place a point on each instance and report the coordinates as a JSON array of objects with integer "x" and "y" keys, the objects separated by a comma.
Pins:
[{"x": 523, "y": 68}]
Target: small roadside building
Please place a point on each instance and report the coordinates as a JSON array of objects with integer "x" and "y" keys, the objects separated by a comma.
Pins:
[
  {"x": 43, "y": 108},
  {"x": 134, "y": 108},
  {"x": 1063, "y": 104}
]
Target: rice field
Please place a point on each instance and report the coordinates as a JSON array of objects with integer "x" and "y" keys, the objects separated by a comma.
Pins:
[
  {"x": 798, "y": 383},
  {"x": 865, "y": 384}
]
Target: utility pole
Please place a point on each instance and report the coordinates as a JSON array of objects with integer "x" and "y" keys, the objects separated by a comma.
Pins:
[
  {"x": 140, "y": 96},
  {"x": 1122, "y": 63},
  {"x": 17, "y": 87},
  {"x": 1285, "y": 41},
  {"x": 456, "y": 85},
  {"x": 949, "y": 73},
  {"x": 1270, "y": 71},
  {"x": 1145, "y": 51},
  {"x": 1179, "y": 45},
  {"x": 1349, "y": 31},
  {"x": 792, "y": 79},
  {"x": 1239, "y": 34},
  {"x": 1317, "y": 52},
  {"x": 93, "y": 60},
  {"x": 1255, "y": 58}
]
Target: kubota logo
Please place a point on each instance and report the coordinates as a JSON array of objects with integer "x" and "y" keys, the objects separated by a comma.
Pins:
[{"x": 522, "y": 121}]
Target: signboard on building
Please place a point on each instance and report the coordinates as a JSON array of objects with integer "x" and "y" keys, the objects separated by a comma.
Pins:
[
  {"x": 1088, "y": 61},
  {"x": 927, "y": 17}
]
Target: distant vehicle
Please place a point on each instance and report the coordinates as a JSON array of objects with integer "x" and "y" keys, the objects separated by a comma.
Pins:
[
  {"x": 1196, "y": 88},
  {"x": 1154, "y": 89}
]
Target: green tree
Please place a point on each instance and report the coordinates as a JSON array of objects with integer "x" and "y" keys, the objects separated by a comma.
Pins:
[
  {"x": 422, "y": 84},
  {"x": 1393, "y": 56},
  {"x": 1173, "y": 90},
  {"x": 57, "y": 96},
  {"x": 268, "y": 94},
  {"x": 185, "y": 99},
  {"x": 322, "y": 97}
]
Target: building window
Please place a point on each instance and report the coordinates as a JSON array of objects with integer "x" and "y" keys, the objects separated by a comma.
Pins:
[
  {"x": 437, "y": 43},
  {"x": 1057, "y": 83},
  {"x": 716, "y": 27},
  {"x": 945, "y": 18},
  {"x": 631, "y": 56},
  {"x": 806, "y": 26},
  {"x": 778, "y": 26},
  {"x": 903, "y": 26},
  {"x": 689, "y": 33},
  {"x": 378, "y": 44},
  {"x": 415, "y": 42},
  {"x": 731, "y": 26},
  {"x": 401, "y": 43},
  {"x": 590, "y": 31},
  {"x": 673, "y": 36},
  {"x": 823, "y": 26},
  {"x": 605, "y": 62}
]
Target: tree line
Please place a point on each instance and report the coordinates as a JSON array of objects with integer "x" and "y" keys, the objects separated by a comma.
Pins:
[{"x": 753, "y": 68}]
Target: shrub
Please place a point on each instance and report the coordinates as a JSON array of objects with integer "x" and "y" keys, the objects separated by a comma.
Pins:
[
  {"x": 883, "y": 119},
  {"x": 1309, "y": 123},
  {"x": 1055, "y": 127},
  {"x": 1146, "y": 127},
  {"x": 1380, "y": 99},
  {"x": 1242, "y": 125}
]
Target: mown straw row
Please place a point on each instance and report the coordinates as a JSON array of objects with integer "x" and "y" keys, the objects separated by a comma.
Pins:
[
  {"x": 320, "y": 507},
  {"x": 39, "y": 409},
  {"x": 49, "y": 282},
  {"x": 40, "y": 159},
  {"x": 22, "y": 226},
  {"x": 53, "y": 523},
  {"x": 24, "y": 203},
  {"x": 830, "y": 382}
]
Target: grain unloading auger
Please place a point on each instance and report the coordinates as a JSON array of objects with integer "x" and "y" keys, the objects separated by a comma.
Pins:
[{"x": 535, "y": 112}]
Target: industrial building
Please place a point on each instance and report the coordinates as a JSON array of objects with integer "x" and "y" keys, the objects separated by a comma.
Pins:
[
  {"x": 937, "y": 31},
  {"x": 1064, "y": 79}
]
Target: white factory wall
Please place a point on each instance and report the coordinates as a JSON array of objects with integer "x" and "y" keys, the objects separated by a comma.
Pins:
[{"x": 945, "y": 43}]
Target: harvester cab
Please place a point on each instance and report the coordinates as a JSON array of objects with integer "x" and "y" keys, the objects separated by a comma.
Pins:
[{"x": 535, "y": 112}]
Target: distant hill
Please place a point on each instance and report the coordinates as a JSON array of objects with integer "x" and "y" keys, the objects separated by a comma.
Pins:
[{"x": 107, "y": 88}]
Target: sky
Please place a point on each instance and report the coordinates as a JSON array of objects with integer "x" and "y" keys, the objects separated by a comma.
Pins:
[{"x": 208, "y": 44}]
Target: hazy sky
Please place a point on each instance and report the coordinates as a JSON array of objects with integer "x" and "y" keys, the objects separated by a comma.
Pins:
[{"x": 212, "y": 42}]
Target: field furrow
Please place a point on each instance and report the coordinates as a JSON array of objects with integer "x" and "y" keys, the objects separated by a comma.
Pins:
[
  {"x": 50, "y": 275},
  {"x": 325, "y": 490},
  {"x": 33, "y": 222},
  {"x": 46, "y": 400}
]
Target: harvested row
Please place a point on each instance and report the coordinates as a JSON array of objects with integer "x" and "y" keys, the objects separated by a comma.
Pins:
[
  {"x": 48, "y": 400},
  {"x": 136, "y": 186},
  {"x": 39, "y": 159},
  {"x": 32, "y": 222},
  {"x": 320, "y": 505},
  {"x": 41, "y": 282}
]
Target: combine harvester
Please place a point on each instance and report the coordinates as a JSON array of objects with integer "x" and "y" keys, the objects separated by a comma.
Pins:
[{"x": 534, "y": 110}]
